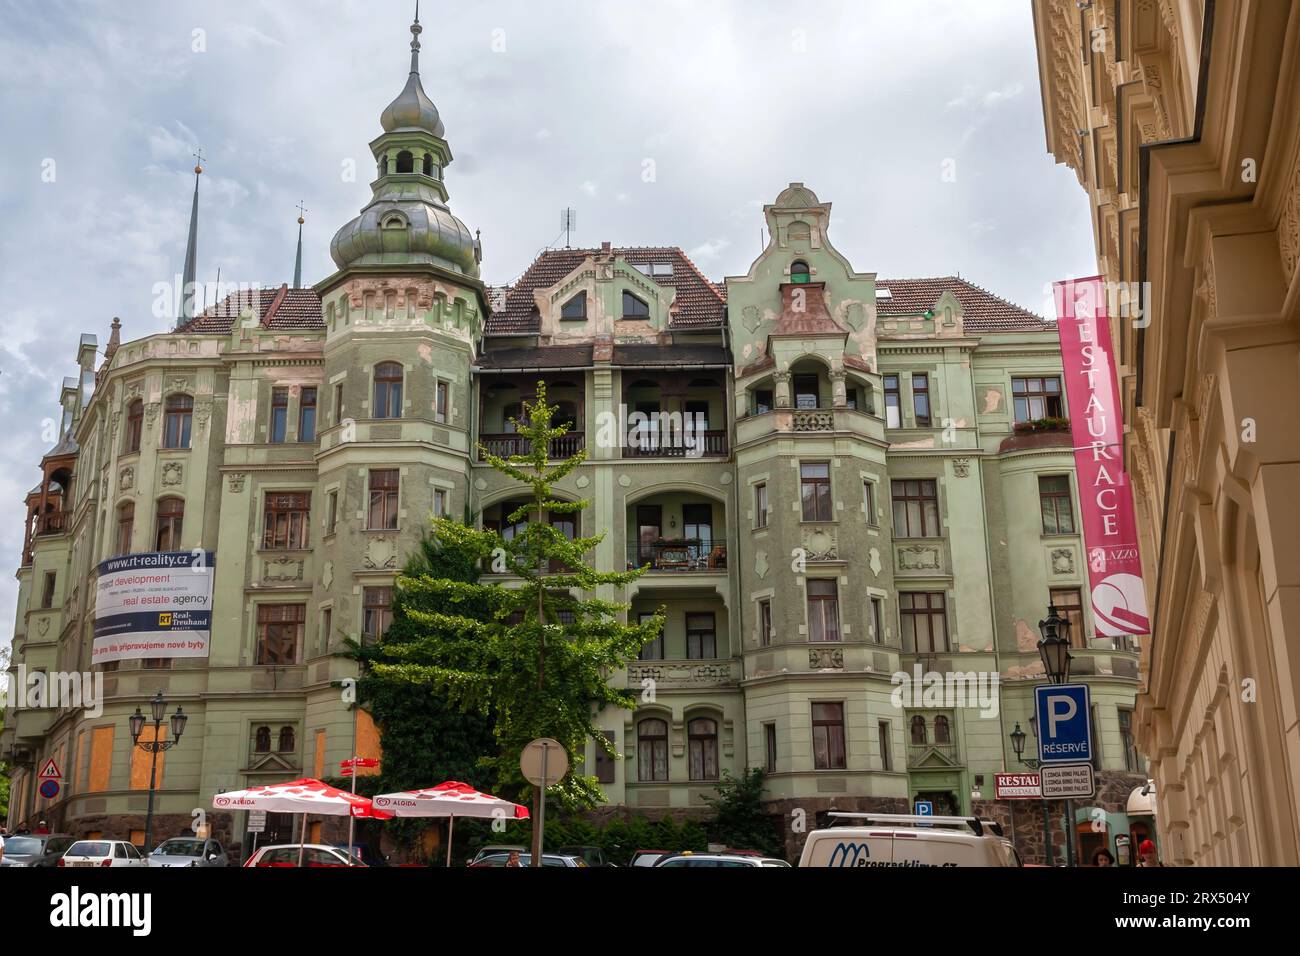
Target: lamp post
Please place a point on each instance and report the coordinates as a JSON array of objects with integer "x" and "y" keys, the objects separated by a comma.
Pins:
[
  {"x": 1018, "y": 745},
  {"x": 158, "y": 710},
  {"x": 1054, "y": 649}
]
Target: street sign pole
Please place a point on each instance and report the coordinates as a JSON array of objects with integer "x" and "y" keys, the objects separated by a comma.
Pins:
[{"x": 541, "y": 810}]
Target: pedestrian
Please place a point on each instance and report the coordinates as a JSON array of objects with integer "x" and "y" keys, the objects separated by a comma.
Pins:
[
  {"x": 1147, "y": 854},
  {"x": 2, "y": 845},
  {"x": 42, "y": 828},
  {"x": 1103, "y": 858},
  {"x": 22, "y": 829},
  {"x": 513, "y": 859}
]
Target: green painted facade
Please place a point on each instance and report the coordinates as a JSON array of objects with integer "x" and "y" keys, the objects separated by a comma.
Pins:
[{"x": 407, "y": 291}]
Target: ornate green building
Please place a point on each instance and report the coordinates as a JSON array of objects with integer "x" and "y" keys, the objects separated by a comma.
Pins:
[{"x": 822, "y": 469}]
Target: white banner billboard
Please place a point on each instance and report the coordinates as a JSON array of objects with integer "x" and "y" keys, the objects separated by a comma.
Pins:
[{"x": 157, "y": 604}]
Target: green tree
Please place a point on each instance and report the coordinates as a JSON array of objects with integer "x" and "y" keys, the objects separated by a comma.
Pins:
[
  {"x": 742, "y": 823},
  {"x": 541, "y": 665},
  {"x": 427, "y": 739}
]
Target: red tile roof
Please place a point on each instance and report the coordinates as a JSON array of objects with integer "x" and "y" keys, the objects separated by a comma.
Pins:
[
  {"x": 698, "y": 304},
  {"x": 276, "y": 308},
  {"x": 983, "y": 312}
]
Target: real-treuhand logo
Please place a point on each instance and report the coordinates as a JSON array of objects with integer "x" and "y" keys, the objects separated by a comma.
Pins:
[{"x": 76, "y": 909}]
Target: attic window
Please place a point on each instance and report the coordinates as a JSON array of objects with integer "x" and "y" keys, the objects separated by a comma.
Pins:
[
  {"x": 661, "y": 269},
  {"x": 575, "y": 308},
  {"x": 634, "y": 308},
  {"x": 799, "y": 272},
  {"x": 394, "y": 222}
]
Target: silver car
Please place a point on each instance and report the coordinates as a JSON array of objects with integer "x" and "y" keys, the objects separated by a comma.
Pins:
[
  {"x": 35, "y": 849},
  {"x": 188, "y": 851}
]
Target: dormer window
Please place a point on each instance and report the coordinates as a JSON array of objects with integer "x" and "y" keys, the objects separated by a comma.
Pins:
[
  {"x": 799, "y": 272},
  {"x": 634, "y": 308},
  {"x": 405, "y": 162},
  {"x": 427, "y": 168},
  {"x": 575, "y": 308}
]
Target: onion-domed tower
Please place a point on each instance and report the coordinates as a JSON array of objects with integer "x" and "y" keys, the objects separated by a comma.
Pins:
[{"x": 403, "y": 317}]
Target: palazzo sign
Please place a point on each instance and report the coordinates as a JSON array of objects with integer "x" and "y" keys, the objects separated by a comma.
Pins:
[
  {"x": 1119, "y": 604},
  {"x": 157, "y": 604}
]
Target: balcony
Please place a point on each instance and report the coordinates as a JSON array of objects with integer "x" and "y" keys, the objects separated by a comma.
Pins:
[
  {"x": 679, "y": 555},
  {"x": 53, "y": 522},
  {"x": 673, "y": 444},
  {"x": 505, "y": 445},
  {"x": 933, "y": 756}
]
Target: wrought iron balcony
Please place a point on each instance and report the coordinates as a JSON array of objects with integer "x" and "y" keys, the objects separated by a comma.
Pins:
[
  {"x": 709, "y": 444},
  {"x": 680, "y": 554},
  {"x": 503, "y": 446}
]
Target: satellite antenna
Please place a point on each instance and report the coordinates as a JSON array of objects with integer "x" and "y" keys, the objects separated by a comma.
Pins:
[{"x": 568, "y": 223}]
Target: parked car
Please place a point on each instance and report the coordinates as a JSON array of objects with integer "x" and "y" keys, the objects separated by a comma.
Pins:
[
  {"x": 591, "y": 855},
  {"x": 102, "y": 853},
  {"x": 492, "y": 848},
  {"x": 885, "y": 839},
  {"x": 313, "y": 854},
  {"x": 687, "y": 858},
  {"x": 366, "y": 853},
  {"x": 648, "y": 857},
  {"x": 188, "y": 851},
  {"x": 43, "y": 849},
  {"x": 526, "y": 859}
]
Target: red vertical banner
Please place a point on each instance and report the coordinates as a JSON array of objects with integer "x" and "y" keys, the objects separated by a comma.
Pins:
[{"x": 1119, "y": 605}]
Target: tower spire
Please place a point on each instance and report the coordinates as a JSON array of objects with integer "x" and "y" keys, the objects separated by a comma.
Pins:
[
  {"x": 297, "y": 262},
  {"x": 416, "y": 30},
  {"x": 188, "y": 283}
]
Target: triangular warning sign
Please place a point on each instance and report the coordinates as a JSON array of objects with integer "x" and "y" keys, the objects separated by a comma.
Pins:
[{"x": 50, "y": 771}]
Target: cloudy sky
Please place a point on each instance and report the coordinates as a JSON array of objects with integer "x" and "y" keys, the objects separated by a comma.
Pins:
[{"x": 547, "y": 103}]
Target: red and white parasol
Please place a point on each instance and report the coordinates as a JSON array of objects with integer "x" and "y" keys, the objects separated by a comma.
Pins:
[
  {"x": 300, "y": 796},
  {"x": 451, "y": 799}
]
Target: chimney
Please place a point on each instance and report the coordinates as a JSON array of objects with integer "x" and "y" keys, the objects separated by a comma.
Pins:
[{"x": 604, "y": 249}]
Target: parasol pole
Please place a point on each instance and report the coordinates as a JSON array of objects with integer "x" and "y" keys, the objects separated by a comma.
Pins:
[
  {"x": 451, "y": 828},
  {"x": 302, "y": 838},
  {"x": 351, "y": 819}
]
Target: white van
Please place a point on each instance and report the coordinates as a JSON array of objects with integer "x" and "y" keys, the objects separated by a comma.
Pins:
[{"x": 892, "y": 839}]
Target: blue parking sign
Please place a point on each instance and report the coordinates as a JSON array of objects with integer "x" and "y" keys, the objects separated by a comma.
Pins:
[
  {"x": 1064, "y": 715},
  {"x": 924, "y": 808}
]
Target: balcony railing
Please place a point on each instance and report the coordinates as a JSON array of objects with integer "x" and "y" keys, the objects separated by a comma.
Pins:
[
  {"x": 54, "y": 522},
  {"x": 813, "y": 420},
  {"x": 685, "y": 554},
  {"x": 503, "y": 446},
  {"x": 709, "y": 444},
  {"x": 918, "y": 754}
]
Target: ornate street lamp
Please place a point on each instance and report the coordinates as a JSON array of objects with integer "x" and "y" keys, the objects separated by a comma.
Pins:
[
  {"x": 158, "y": 710},
  {"x": 1054, "y": 648}
]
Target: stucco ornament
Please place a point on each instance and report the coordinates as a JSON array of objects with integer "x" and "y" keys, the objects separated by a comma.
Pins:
[
  {"x": 961, "y": 467},
  {"x": 43, "y": 626},
  {"x": 283, "y": 568},
  {"x": 1062, "y": 560},
  {"x": 126, "y": 479},
  {"x": 751, "y": 317},
  {"x": 873, "y": 561},
  {"x": 918, "y": 558},
  {"x": 824, "y": 658},
  {"x": 235, "y": 482},
  {"x": 173, "y": 473},
  {"x": 820, "y": 545},
  {"x": 760, "y": 563},
  {"x": 380, "y": 553},
  {"x": 327, "y": 575}
]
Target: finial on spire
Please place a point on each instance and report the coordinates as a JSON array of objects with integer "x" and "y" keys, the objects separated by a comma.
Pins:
[
  {"x": 297, "y": 263},
  {"x": 198, "y": 161},
  {"x": 416, "y": 30}
]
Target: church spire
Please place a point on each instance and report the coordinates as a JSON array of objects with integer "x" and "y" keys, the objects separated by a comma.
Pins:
[
  {"x": 416, "y": 30},
  {"x": 297, "y": 262},
  {"x": 188, "y": 283}
]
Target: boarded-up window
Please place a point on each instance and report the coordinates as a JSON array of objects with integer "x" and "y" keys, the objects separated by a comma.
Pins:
[
  {"x": 101, "y": 758},
  {"x": 319, "y": 770},
  {"x": 605, "y": 761},
  {"x": 141, "y": 761},
  {"x": 368, "y": 744}
]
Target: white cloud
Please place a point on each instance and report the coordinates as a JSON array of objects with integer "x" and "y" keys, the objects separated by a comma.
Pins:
[
  {"x": 709, "y": 250},
  {"x": 590, "y": 188}
]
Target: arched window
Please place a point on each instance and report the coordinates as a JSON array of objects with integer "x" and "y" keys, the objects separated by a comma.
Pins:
[
  {"x": 405, "y": 162},
  {"x": 942, "y": 734},
  {"x": 125, "y": 526},
  {"x": 176, "y": 421},
  {"x": 799, "y": 271},
  {"x": 134, "y": 425},
  {"x": 383, "y": 166},
  {"x": 286, "y": 740},
  {"x": 566, "y": 413},
  {"x": 171, "y": 514},
  {"x": 262, "y": 740},
  {"x": 634, "y": 308},
  {"x": 918, "y": 730},
  {"x": 388, "y": 390},
  {"x": 702, "y": 735},
  {"x": 427, "y": 168},
  {"x": 652, "y": 750}
]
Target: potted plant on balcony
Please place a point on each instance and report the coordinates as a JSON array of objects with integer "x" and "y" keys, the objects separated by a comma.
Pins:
[{"x": 1054, "y": 424}]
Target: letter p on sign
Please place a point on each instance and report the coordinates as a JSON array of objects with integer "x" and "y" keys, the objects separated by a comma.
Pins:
[{"x": 1061, "y": 709}]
